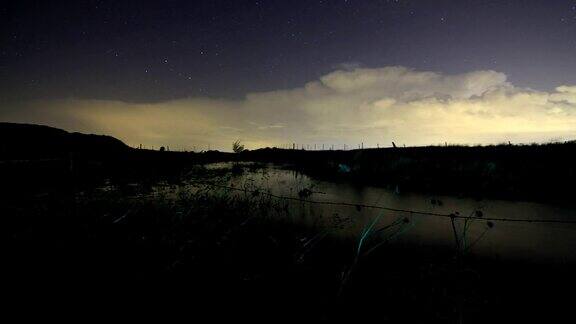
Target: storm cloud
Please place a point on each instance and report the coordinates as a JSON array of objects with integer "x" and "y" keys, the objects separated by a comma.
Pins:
[{"x": 349, "y": 106}]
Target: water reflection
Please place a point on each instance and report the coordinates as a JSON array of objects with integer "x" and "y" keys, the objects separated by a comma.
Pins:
[{"x": 538, "y": 241}]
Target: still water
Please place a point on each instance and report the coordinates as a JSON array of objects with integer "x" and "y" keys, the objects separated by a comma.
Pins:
[{"x": 549, "y": 242}]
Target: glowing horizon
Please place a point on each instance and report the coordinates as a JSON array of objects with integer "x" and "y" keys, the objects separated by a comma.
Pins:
[{"x": 344, "y": 107}]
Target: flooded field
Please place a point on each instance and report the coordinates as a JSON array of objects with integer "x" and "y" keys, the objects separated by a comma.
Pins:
[
  {"x": 315, "y": 202},
  {"x": 264, "y": 233}
]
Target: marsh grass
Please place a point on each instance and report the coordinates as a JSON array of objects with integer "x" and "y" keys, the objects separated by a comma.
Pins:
[{"x": 245, "y": 248}]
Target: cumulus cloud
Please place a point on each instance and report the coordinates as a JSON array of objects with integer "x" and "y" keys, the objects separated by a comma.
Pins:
[{"x": 346, "y": 106}]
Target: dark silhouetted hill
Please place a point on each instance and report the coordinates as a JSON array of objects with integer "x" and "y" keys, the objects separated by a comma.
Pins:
[
  {"x": 36, "y": 158},
  {"x": 26, "y": 141}
]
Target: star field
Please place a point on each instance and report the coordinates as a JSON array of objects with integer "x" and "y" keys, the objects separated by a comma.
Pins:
[{"x": 147, "y": 51}]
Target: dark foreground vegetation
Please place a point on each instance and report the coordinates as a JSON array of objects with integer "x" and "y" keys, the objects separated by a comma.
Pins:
[
  {"x": 243, "y": 257},
  {"x": 86, "y": 234}
]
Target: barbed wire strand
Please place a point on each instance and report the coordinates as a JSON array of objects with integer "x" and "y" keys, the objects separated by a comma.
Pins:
[{"x": 380, "y": 207}]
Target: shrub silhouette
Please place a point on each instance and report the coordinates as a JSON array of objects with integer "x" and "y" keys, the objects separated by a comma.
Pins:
[{"x": 237, "y": 147}]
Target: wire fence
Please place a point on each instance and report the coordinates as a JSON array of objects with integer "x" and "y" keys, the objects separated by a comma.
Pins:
[{"x": 381, "y": 207}]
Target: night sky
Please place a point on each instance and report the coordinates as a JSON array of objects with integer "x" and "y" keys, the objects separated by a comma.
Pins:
[{"x": 198, "y": 73}]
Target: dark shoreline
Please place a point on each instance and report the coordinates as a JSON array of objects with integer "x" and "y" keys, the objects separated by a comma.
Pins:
[{"x": 543, "y": 173}]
